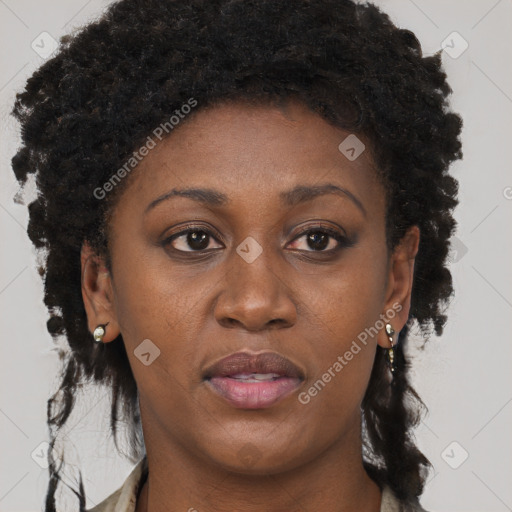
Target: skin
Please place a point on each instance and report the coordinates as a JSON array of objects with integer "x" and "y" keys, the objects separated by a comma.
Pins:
[{"x": 292, "y": 299}]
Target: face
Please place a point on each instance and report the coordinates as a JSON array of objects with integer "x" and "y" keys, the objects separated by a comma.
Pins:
[{"x": 286, "y": 253}]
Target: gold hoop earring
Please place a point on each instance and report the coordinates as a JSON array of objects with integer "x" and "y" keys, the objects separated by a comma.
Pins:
[
  {"x": 99, "y": 332},
  {"x": 391, "y": 350}
]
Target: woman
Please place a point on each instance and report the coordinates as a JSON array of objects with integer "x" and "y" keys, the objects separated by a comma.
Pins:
[{"x": 245, "y": 207}]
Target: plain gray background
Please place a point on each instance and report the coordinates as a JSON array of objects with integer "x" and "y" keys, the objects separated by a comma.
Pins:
[{"x": 464, "y": 377}]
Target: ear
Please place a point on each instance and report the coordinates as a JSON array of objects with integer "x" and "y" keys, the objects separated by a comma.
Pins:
[
  {"x": 399, "y": 285},
  {"x": 97, "y": 293}
]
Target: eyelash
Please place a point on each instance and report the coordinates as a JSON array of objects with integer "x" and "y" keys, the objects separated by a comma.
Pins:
[{"x": 342, "y": 240}]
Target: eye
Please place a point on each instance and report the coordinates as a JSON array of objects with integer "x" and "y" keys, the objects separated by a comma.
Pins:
[
  {"x": 195, "y": 238},
  {"x": 321, "y": 238}
]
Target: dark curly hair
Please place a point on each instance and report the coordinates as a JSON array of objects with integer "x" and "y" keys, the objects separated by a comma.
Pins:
[{"x": 86, "y": 110}]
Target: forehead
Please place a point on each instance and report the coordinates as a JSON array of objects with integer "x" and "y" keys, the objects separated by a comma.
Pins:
[{"x": 253, "y": 153}]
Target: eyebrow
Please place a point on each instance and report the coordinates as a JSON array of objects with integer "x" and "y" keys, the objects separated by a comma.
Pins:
[{"x": 297, "y": 195}]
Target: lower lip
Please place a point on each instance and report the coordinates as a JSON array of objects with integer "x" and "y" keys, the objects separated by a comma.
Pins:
[{"x": 253, "y": 395}]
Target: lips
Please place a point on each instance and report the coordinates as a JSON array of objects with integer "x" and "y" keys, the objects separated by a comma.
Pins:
[
  {"x": 249, "y": 381},
  {"x": 246, "y": 363}
]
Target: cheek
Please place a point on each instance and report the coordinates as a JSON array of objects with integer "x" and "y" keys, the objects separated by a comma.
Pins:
[
  {"x": 350, "y": 299},
  {"x": 159, "y": 317},
  {"x": 147, "y": 300},
  {"x": 157, "y": 336},
  {"x": 344, "y": 314}
]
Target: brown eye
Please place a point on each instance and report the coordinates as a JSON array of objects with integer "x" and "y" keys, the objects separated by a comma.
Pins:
[
  {"x": 322, "y": 240},
  {"x": 194, "y": 239}
]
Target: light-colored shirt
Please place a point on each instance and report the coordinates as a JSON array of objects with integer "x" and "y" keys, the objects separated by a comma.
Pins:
[{"x": 124, "y": 499}]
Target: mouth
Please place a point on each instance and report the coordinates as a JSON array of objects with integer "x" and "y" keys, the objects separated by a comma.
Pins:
[{"x": 250, "y": 381}]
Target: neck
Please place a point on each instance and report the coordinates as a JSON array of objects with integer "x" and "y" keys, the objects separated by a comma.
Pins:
[{"x": 334, "y": 481}]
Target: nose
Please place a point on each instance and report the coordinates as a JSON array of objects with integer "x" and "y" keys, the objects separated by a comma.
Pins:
[{"x": 255, "y": 296}]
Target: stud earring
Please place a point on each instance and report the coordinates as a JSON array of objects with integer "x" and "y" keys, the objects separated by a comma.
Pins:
[
  {"x": 391, "y": 350},
  {"x": 99, "y": 332}
]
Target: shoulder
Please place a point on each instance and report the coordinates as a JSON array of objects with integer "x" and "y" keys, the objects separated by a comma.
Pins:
[
  {"x": 124, "y": 499},
  {"x": 390, "y": 503}
]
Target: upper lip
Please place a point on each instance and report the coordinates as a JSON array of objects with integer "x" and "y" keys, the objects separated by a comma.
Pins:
[{"x": 245, "y": 362}]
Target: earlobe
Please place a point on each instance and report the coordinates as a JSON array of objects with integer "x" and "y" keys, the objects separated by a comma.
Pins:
[
  {"x": 400, "y": 282},
  {"x": 97, "y": 293}
]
